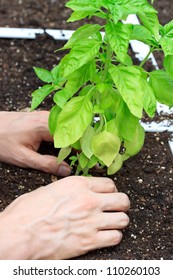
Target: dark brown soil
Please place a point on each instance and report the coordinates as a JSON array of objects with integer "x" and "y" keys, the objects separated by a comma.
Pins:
[{"x": 146, "y": 178}]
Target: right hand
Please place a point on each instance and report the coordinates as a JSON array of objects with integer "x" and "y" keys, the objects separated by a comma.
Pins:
[{"x": 65, "y": 219}]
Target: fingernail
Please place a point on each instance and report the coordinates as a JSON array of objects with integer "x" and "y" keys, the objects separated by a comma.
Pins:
[{"x": 64, "y": 170}]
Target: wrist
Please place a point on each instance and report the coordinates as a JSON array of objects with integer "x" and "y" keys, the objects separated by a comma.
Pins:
[{"x": 14, "y": 242}]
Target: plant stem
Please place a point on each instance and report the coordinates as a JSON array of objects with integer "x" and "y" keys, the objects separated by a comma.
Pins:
[
  {"x": 99, "y": 129},
  {"x": 108, "y": 59},
  {"x": 146, "y": 58}
]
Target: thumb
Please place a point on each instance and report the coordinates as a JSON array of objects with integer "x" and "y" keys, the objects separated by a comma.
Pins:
[{"x": 46, "y": 163}]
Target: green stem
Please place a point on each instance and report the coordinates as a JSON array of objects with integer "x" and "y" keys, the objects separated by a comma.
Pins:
[
  {"x": 105, "y": 121},
  {"x": 77, "y": 172},
  {"x": 146, "y": 58},
  {"x": 99, "y": 129},
  {"x": 108, "y": 59}
]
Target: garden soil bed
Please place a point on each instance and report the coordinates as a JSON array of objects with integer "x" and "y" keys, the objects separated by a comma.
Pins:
[{"x": 147, "y": 178}]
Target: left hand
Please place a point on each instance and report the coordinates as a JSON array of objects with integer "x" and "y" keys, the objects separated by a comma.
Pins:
[{"x": 20, "y": 136}]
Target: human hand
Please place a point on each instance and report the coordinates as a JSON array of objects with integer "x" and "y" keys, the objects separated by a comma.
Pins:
[
  {"x": 20, "y": 136},
  {"x": 63, "y": 220}
]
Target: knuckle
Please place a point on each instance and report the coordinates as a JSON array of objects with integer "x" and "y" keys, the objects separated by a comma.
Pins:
[
  {"x": 46, "y": 165},
  {"x": 125, "y": 202},
  {"x": 89, "y": 202},
  {"x": 110, "y": 183},
  {"x": 118, "y": 237},
  {"x": 87, "y": 243},
  {"x": 79, "y": 181},
  {"x": 124, "y": 220},
  {"x": 87, "y": 239}
]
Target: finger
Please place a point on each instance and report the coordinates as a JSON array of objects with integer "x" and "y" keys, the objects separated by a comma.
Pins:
[
  {"x": 106, "y": 238},
  {"x": 42, "y": 115},
  {"x": 115, "y": 202},
  {"x": 101, "y": 185},
  {"x": 118, "y": 220},
  {"x": 44, "y": 135},
  {"x": 41, "y": 118},
  {"x": 46, "y": 163}
]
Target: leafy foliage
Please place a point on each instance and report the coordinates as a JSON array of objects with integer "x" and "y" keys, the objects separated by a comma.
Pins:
[{"x": 99, "y": 94}]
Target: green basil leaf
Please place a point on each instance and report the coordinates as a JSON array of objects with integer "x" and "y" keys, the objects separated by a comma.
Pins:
[
  {"x": 63, "y": 154},
  {"x": 118, "y": 36},
  {"x": 39, "y": 95},
  {"x": 128, "y": 81},
  {"x": 116, "y": 165},
  {"x": 83, "y": 160},
  {"x": 73, "y": 120},
  {"x": 162, "y": 86},
  {"x": 76, "y": 145},
  {"x": 168, "y": 64},
  {"x": 92, "y": 162},
  {"x": 58, "y": 75},
  {"x": 61, "y": 97},
  {"x": 134, "y": 146},
  {"x": 141, "y": 33},
  {"x": 127, "y": 7},
  {"x": 75, "y": 16},
  {"x": 117, "y": 12},
  {"x": 135, "y": 6},
  {"x": 105, "y": 146},
  {"x": 85, "y": 90},
  {"x": 86, "y": 141},
  {"x": 108, "y": 96},
  {"x": 74, "y": 83},
  {"x": 82, "y": 9},
  {"x": 83, "y": 52},
  {"x": 81, "y": 33},
  {"x": 44, "y": 75},
  {"x": 53, "y": 117},
  {"x": 112, "y": 127},
  {"x": 73, "y": 160},
  {"x": 167, "y": 46},
  {"x": 126, "y": 121},
  {"x": 149, "y": 99},
  {"x": 84, "y": 5},
  {"x": 151, "y": 22},
  {"x": 168, "y": 30}
]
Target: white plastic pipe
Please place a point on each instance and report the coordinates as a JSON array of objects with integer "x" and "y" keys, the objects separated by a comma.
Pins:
[
  {"x": 165, "y": 125},
  {"x": 31, "y": 33}
]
